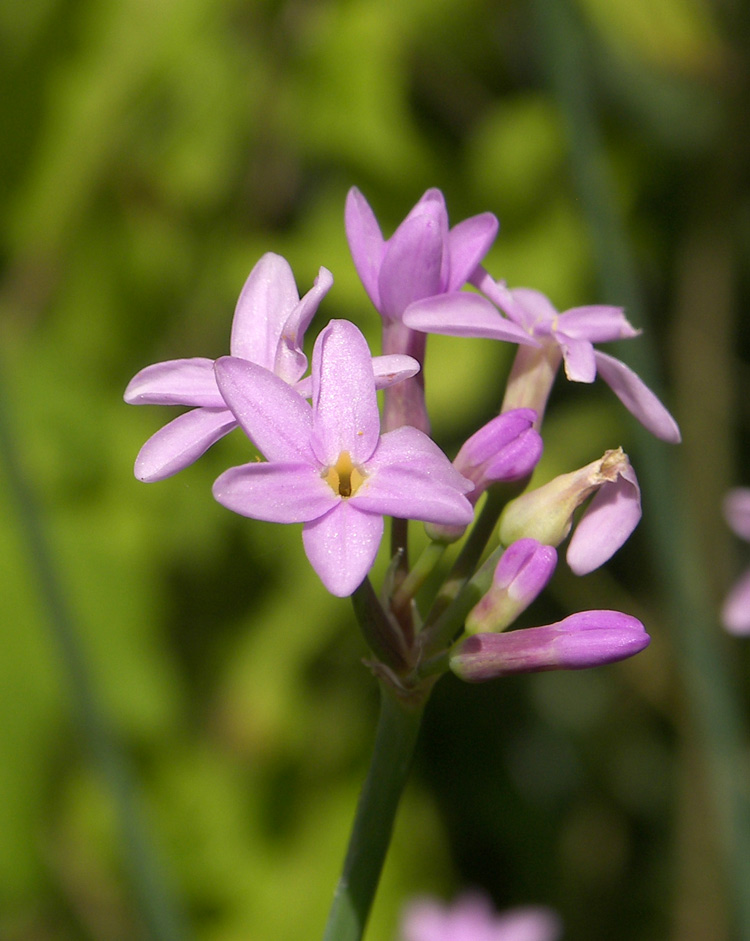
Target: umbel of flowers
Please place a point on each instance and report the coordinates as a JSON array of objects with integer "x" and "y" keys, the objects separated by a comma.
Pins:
[{"x": 333, "y": 464}]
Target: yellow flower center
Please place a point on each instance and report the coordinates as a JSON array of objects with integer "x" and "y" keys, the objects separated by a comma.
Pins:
[{"x": 344, "y": 477}]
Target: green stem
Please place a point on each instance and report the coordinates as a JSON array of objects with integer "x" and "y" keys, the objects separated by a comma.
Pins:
[
  {"x": 422, "y": 570},
  {"x": 398, "y": 727}
]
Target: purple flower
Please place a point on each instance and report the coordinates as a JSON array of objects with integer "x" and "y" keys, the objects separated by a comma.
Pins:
[
  {"x": 522, "y": 572},
  {"x": 586, "y": 639},
  {"x": 424, "y": 257},
  {"x": 546, "y": 513},
  {"x": 268, "y": 328},
  {"x": 735, "y": 613},
  {"x": 269, "y": 324},
  {"x": 472, "y": 918},
  {"x": 328, "y": 465},
  {"x": 567, "y": 336},
  {"x": 506, "y": 448}
]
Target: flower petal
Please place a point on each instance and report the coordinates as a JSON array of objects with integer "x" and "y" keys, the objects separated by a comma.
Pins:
[
  {"x": 267, "y": 298},
  {"x": 537, "y": 311},
  {"x": 409, "y": 477},
  {"x": 463, "y": 314},
  {"x": 366, "y": 242},
  {"x": 181, "y": 442},
  {"x": 468, "y": 243},
  {"x": 637, "y": 398},
  {"x": 176, "y": 382},
  {"x": 735, "y": 614},
  {"x": 275, "y": 417},
  {"x": 342, "y": 546},
  {"x": 345, "y": 406},
  {"x": 393, "y": 368},
  {"x": 411, "y": 267},
  {"x": 275, "y": 492},
  {"x": 578, "y": 355},
  {"x": 290, "y": 362},
  {"x": 737, "y": 511},
  {"x": 607, "y": 523},
  {"x": 597, "y": 323}
]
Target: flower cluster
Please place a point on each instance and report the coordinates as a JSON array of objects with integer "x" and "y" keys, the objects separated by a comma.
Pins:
[
  {"x": 333, "y": 464},
  {"x": 472, "y": 918}
]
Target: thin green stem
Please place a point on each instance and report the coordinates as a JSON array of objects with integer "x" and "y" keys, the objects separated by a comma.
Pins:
[
  {"x": 156, "y": 906},
  {"x": 395, "y": 740},
  {"x": 423, "y": 568}
]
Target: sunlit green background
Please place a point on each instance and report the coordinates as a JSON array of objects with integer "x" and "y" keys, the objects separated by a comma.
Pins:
[{"x": 150, "y": 152}]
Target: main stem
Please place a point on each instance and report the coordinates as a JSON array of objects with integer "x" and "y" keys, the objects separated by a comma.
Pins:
[{"x": 395, "y": 739}]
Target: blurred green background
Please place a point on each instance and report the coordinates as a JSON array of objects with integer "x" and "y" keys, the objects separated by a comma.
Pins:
[{"x": 150, "y": 152}]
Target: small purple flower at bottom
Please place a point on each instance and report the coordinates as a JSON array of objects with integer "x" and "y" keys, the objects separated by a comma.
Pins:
[
  {"x": 586, "y": 639},
  {"x": 472, "y": 918},
  {"x": 735, "y": 613},
  {"x": 327, "y": 465}
]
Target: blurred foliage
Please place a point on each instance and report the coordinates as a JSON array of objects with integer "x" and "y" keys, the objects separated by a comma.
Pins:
[{"x": 150, "y": 153}]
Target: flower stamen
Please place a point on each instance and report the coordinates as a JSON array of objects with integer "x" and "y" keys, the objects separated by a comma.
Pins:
[{"x": 344, "y": 477}]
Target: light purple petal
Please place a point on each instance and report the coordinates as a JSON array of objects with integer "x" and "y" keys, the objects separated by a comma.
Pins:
[
  {"x": 506, "y": 448},
  {"x": 735, "y": 614},
  {"x": 524, "y": 569},
  {"x": 468, "y": 243},
  {"x": 393, "y": 368},
  {"x": 176, "y": 382},
  {"x": 277, "y": 493},
  {"x": 472, "y": 918},
  {"x": 529, "y": 923},
  {"x": 637, "y": 398},
  {"x": 290, "y": 362},
  {"x": 345, "y": 406},
  {"x": 578, "y": 355},
  {"x": 411, "y": 267},
  {"x": 464, "y": 314},
  {"x": 181, "y": 442},
  {"x": 366, "y": 242},
  {"x": 275, "y": 417},
  {"x": 607, "y": 523},
  {"x": 267, "y": 298},
  {"x": 410, "y": 477},
  {"x": 342, "y": 546},
  {"x": 537, "y": 310},
  {"x": 737, "y": 511},
  {"x": 597, "y": 323}
]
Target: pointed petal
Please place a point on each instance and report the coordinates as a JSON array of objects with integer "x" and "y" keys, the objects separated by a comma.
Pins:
[
  {"x": 578, "y": 356},
  {"x": 268, "y": 297},
  {"x": 366, "y": 242},
  {"x": 345, "y": 406},
  {"x": 342, "y": 546},
  {"x": 290, "y": 362},
  {"x": 737, "y": 511},
  {"x": 393, "y": 368},
  {"x": 606, "y": 525},
  {"x": 463, "y": 314},
  {"x": 176, "y": 382},
  {"x": 735, "y": 614},
  {"x": 181, "y": 442},
  {"x": 413, "y": 259},
  {"x": 410, "y": 477},
  {"x": 275, "y": 492},
  {"x": 597, "y": 323},
  {"x": 468, "y": 243},
  {"x": 637, "y": 398},
  {"x": 275, "y": 417}
]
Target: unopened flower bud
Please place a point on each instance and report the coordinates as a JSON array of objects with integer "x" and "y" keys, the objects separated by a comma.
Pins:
[
  {"x": 522, "y": 572},
  {"x": 586, "y": 639},
  {"x": 546, "y": 514},
  {"x": 506, "y": 448}
]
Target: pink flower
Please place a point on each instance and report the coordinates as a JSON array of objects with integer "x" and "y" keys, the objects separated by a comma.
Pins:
[
  {"x": 472, "y": 918},
  {"x": 328, "y": 466},
  {"x": 735, "y": 613}
]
